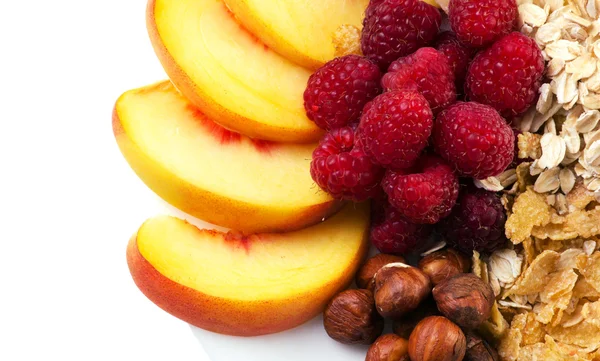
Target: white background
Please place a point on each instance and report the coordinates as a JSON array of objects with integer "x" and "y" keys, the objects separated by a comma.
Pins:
[{"x": 68, "y": 201}]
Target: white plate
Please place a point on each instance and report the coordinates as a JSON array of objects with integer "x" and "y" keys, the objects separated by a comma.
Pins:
[{"x": 306, "y": 342}]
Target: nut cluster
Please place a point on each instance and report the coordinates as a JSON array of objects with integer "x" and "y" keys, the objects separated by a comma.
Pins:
[{"x": 434, "y": 307}]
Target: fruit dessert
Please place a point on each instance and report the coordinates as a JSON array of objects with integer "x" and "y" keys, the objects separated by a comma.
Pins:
[{"x": 459, "y": 139}]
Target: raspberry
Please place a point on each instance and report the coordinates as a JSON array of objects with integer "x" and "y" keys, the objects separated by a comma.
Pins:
[
  {"x": 474, "y": 139},
  {"x": 395, "y": 28},
  {"x": 476, "y": 223},
  {"x": 340, "y": 167},
  {"x": 479, "y": 23},
  {"x": 337, "y": 92},
  {"x": 425, "y": 194},
  {"x": 428, "y": 69},
  {"x": 507, "y": 75},
  {"x": 394, "y": 128},
  {"x": 457, "y": 55},
  {"x": 393, "y": 234}
]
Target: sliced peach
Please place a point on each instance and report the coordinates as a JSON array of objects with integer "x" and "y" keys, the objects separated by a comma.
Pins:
[
  {"x": 302, "y": 31},
  {"x": 223, "y": 69},
  {"x": 214, "y": 174},
  {"x": 247, "y": 286}
]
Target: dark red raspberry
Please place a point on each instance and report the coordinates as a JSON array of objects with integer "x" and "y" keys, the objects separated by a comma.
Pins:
[
  {"x": 507, "y": 75},
  {"x": 428, "y": 69},
  {"x": 394, "y": 128},
  {"x": 458, "y": 56},
  {"x": 476, "y": 222},
  {"x": 337, "y": 92},
  {"x": 340, "y": 167},
  {"x": 474, "y": 139},
  {"x": 424, "y": 194},
  {"x": 479, "y": 23},
  {"x": 395, "y": 28},
  {"x": 393, "y": 234}
]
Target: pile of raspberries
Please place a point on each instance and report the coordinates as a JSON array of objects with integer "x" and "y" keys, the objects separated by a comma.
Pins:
[{"x": 420, "y": 114}]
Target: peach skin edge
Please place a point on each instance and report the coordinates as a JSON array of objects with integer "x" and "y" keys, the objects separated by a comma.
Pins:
[
  {"x": 214, "y": 110},
  {"x": 228, "y": 317}
]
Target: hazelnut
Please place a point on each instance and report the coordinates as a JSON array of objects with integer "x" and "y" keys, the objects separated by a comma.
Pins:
[
  {"x": 465, "y": 299},
  {"x": 436, "y": 338},
  {"x": 479, "y": 350},
  {"x": 351, "y": 318},
  {"x": 372, "y": 265},
  {"x": 444, "y": 264},
  {"x": 388, "y": 348},
  {"x": 400, "y": 288},
  {"x": 405, "y": 324}
]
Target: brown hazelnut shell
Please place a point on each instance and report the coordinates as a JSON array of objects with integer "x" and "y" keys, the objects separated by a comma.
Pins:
[
  {"x": 388, "y": 347},
  {"x": 351, "y": 318},
  {"x": 436, "y": 339},
  {"x": 465, "y": 299},
  {"x": 479, "y": 350},
  {"x": 366, "y": 273},
  {"x": 444, "y": 264},
  {"x": 400, "y": 288}
]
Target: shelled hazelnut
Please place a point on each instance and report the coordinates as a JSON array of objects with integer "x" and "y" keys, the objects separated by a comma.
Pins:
[
  {"x": 436, "y": 339},
  {"x": 400, "y": 288},
  {"x": 479, "y": 350},
  {"x": 404, "y": 325},
  {"x": 351, "y": 318},
  {"x": 388, "y": 347},
  {"x": 444, "y": 264},
  {"x": 465, "y": 299},
  {"x": 364, "y": 276}
]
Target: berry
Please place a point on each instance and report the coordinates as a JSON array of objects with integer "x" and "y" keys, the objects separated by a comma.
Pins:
[
  {"x": 395, "y": 28},
  {"x": 394, "y": 128},
  {"x": 337, "y": 92},
  {"x": 428, "y": 70},
  {"x": 474, "y": 139},
  {"x": 479, "y": 23},
  {"x": 393, "y": 234},
  {"x": 340, "y": 167},
  {"x": 507, "y": 75},
  {"x": 425, "y": 194},
  {"x": 457, "y": 55},
  {"x": 476, "y": 223}
]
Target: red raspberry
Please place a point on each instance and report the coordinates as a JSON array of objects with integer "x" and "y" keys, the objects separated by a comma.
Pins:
[
  {"x": 478, "y": 23},
  {"x": 340, "y": 167},
  {"x": 394, "y": 128},
  {"x": 507, "y": 75},
  {"x": 393, "y": 234},
  {"x": 474, "y": 139},
  {"x": 457, "y": 54},
  {"x": 337, "y": 92},
  {"x": 428, "y": 69},
  {"x": 395, "y": 28},
  {"x": 476, "y": 223},
  {"x": 425, "y": 196}
]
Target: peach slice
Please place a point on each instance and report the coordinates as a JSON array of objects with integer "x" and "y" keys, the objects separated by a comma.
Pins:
[
  {"x": 247, "y": 286},
  {"x": 213, "y": 174},
  {"x": 302, "y": 31},
  {"x": 223, "y": 69}
]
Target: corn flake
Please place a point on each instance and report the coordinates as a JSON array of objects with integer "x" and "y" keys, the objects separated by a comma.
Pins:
[
  {"x": 530, "y": 210},
  {"x": 535, "y": 277}
]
